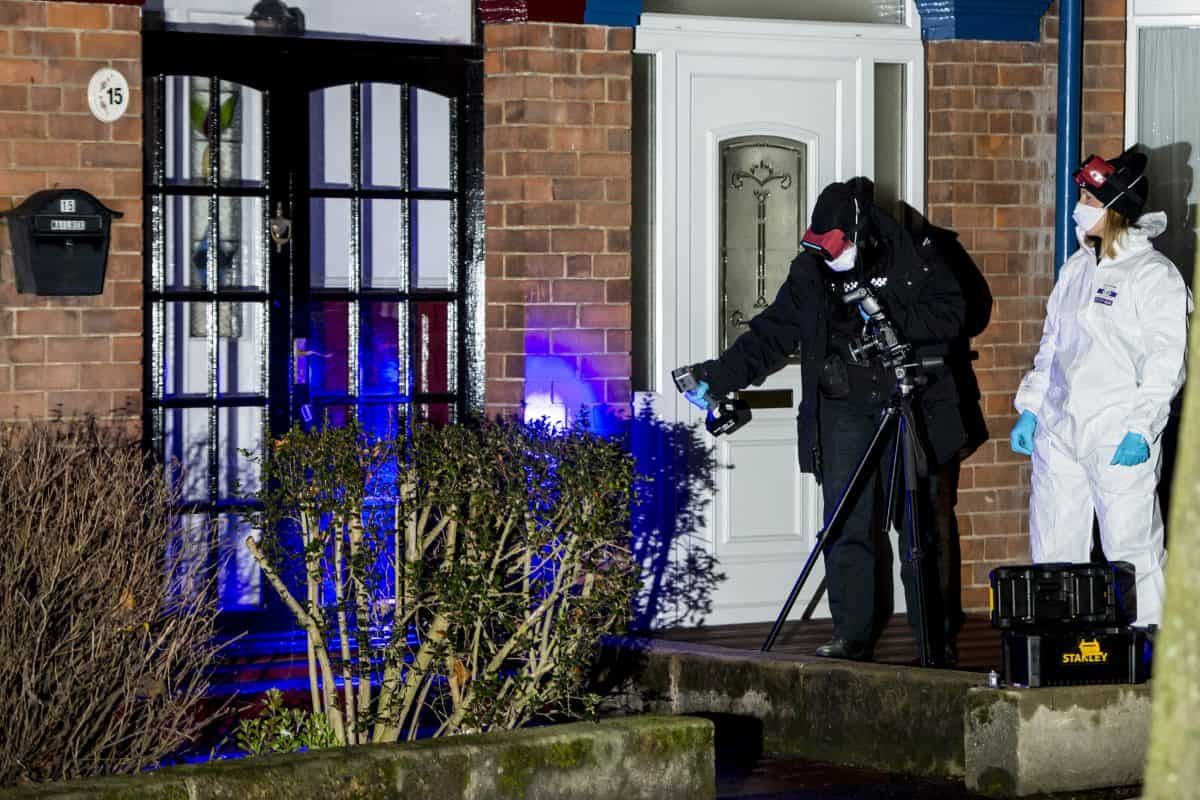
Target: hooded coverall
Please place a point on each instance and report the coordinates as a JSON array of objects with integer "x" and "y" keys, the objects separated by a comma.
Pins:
[{"x": 1111, "y": 359}]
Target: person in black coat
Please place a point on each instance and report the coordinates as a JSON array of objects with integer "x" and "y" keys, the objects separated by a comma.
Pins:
[{"x": 852, "y": 243}]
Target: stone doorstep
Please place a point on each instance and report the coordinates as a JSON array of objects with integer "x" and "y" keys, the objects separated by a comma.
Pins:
[
  {"x": 938, "y": 723},
  {"x": 637, "y": 758},
  {"x": 1028, "y": 741}
]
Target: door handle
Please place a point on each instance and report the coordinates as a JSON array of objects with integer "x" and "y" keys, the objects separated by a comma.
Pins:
[
  {"x": 300, "y": 354},
  {"x": 281, "y": 228},
  {"x": 738, "y": 320}
]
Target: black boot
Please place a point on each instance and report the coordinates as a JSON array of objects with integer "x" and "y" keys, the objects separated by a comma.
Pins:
[{"x": 844, "y": 648}]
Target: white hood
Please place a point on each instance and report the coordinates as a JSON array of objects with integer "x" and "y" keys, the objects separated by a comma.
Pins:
[{"x": 1137, "y": 238}]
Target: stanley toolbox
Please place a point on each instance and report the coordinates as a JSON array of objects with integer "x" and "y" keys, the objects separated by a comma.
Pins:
[
  {"x": 1065, "y": 658},
  {"x": 1045, "y": 597}
]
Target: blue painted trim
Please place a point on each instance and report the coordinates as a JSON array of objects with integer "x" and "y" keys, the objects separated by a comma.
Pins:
[
  {"x": 616, "y": 13},
  {"x": 993, "y": 20},
  {"x": 1070, "y": 92}
]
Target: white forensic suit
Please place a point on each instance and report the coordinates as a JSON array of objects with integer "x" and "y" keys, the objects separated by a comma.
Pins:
[{"x": 1111, "y": 359}]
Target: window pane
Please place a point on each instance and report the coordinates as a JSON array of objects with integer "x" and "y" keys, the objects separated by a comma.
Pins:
[
  {"x": 385, "y": 234},
  {"x": 891, "y": 102},
  {"x": 186, "y": 221},
  {"x": 430, "y": 354},
  {"x": 382, "y": 146},
  {"x": 1169, "y": 129},
  {"x": 382, "y": 419},
  {"x": 239, "y": 581},
  {"x": 328, "y": 343},
  {"x": 242, "y": 260},
  {"x": 329, "y": 240},
  {"x": 437, "y": 413},
  {"x": 241, "y": 126},
  {"x": 431, "y": 140},
  {"x": 871, "y": 11},
  {"x": 241, "y": 348},
  {"x": 188, "y": 552},
  {"x": 433, "y": 240},
  {"x": 186, "y": 99},
  {"x": 380, "y": 349},
  {"x": 185, "y": 351},
  {"x": 329, "y": 129},
  {"x": 240, "y": 431},
  {"x": 186, "y": 450}
]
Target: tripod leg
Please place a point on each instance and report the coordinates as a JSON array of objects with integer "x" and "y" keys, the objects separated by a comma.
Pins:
[
  {"x": 839, "y": 511},
  {"x": 930, "y": 655}
]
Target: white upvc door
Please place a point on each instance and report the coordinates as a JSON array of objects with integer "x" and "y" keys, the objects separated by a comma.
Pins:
[{"x": 811, "y": 84}]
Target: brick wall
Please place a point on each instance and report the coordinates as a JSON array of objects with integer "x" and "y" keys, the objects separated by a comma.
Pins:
[
  {"x": 991, "y": 151},
  {"x": 70, "y": 355},
  {"x": 557, "y": 162}
]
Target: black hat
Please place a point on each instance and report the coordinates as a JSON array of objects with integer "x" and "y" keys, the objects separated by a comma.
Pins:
[
  {"x": 843, "y": 206},
  {"x": 1118, "y": 183}
]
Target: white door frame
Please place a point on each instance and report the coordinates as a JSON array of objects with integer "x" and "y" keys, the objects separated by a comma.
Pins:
[{"x": 678, "y": 43}]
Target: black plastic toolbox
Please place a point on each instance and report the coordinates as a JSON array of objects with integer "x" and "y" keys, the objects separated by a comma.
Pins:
[
  {"x": 1074, "y": 658},
  {"x": 1041, "y": 597}
]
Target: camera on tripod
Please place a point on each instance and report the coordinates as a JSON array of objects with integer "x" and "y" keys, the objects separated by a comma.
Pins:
[
  {"x": 725, "y": 415},
  {"x": 879, "y": 339}
]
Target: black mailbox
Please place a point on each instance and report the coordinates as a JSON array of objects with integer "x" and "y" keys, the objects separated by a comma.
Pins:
[{"x": 60, "y": 242}]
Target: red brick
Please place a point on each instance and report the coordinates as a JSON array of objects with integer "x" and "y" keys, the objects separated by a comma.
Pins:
[
  {"x": 110, "y": 154},
  {"x": 576, "y": 241},
  {"x": 14, "y": 98},
  {"x": 103, "y": 320},
  {"x": 19, "y": 183},
  {"x": 577, "y": 341},
  {"x": 22, "y": 126},
  {"x": 550, "y": 112},
  {"x": 572, "y": 88},
  {"x": 1022, "y": 75},
  {"x": 77, "y": 15},
  {"x": 524, "y": 241},
  {"x": 593, "y": 139},
  {"x": 605, "y": 164},
  {"x": 519, "y": 291},
  {"x": 511, "y": 87},
  {"x": 46, "y": 377},
  {"x": 618, "y": 291},
  {"x": 619, "y": 89},
  {"x": 541, "y": 62},
  {"x": 610, "y": 215},
  {"x": 110, "y": 376},
  {"x": 524, "y": 214},
  {"x": 579, "y": 265},
  {"x": 517, "y": 137},
  {"x": 127, "y": 348},
  {"x": 45, "y": 154},
  {"x": 620, "y": 39},
  {"x": 606, "y": 316},
  {"x": 578, "y": 291},
  {"x": 26, "y": 350},
  {"x": 613, "y": 114},
  {"x": 532, "y": 266},
  {"x": 611, "y": 266},
  {"x": 77, "y": 349},
  {"x": 604, "y": 366},
  {"x": 47, "y": 321},
  {"x": 22, "y": 405},
  {"x": 616, "y": 241},
  {"x": 578, "y": 189},
  {"x": 20, "y": 70},
  {"x": 606, "y": 64},
  {"x": 579, "y": 37},
  {"x": 540, "y": 316},
  {"x": 984, "y": 75},
  {"x": 45, "y": 44},
  {"x": 110, "y": 45}
]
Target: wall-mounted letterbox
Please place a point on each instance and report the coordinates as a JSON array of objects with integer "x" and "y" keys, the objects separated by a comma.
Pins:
[{"x": 60, "y": 242}]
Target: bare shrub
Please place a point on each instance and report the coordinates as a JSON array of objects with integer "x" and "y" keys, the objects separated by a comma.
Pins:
[{"x": 102, "y": 664}]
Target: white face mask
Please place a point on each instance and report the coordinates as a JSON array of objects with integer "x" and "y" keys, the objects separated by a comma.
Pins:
[
  {"x": 844, "y": 262},
  {"x": 1086, "y": 216}
]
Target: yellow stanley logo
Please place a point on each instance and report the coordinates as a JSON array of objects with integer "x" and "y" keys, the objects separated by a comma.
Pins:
[{"x": 1089, "y": 653}]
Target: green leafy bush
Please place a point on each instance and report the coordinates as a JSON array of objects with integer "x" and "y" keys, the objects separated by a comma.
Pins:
[
  {"x": 278, "y": 729},
  {"x": 455, "y": 579}
]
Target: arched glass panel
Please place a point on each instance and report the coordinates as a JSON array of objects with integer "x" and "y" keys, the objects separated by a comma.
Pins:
[{"x": 763, "y": 202}]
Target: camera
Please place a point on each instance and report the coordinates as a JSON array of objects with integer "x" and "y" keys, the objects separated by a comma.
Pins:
[
  {"x": 879, "y": 339},
  {"x": 725, "y": 415}
]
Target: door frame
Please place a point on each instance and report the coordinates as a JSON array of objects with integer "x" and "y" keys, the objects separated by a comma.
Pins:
[
  {"x": 286, "y": 69},
  {"x": 678, "y": 43}
]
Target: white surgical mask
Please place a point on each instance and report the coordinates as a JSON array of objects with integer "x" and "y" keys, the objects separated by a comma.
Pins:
[
  {"x": 1086, "y": 216},
  {"x": 844, "y": 262}
]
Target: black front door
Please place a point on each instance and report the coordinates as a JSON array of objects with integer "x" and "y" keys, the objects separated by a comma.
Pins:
[{"x": 313, "y": 253}]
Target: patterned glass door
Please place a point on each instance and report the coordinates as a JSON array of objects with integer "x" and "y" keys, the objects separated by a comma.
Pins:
[{"x": 312, "y": 255}]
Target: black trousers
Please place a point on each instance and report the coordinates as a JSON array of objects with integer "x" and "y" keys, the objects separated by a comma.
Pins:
[{"x": 858, "y": 560}]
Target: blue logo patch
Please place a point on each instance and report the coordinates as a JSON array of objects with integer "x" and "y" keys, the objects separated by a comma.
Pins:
[{"x": 1105, "y": 295}]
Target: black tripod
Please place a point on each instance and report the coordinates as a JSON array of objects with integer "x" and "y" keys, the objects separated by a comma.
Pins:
[{"x": 900, "y": 416}]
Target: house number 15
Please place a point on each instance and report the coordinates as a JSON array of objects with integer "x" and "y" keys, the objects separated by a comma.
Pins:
[{"x": 108, "y": 94}]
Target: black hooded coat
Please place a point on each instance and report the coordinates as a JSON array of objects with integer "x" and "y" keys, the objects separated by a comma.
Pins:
[{"x": 921, "y": 296}]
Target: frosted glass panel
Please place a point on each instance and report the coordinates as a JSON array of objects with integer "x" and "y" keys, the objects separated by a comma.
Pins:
[
  {"x": 185, "y": 436},
  {"x": 384, "y": 230},
  {"x": 240, "y": 430},
  {"x": 1169, "y": 130},
  {"x": 891, "y": 102},
  {"x": 890, "y": 12}
]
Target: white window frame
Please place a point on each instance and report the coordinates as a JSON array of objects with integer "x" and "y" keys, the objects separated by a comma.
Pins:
[{"x": 1141, "y": 14}]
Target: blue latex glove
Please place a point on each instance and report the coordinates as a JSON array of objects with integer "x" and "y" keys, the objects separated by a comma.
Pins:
[
  {"x": 1021, "y": 437},
  {"x": 697, "y": 396},
  {"x": 1132, "y": 450},
  {"x": 866, "y": 317}
]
